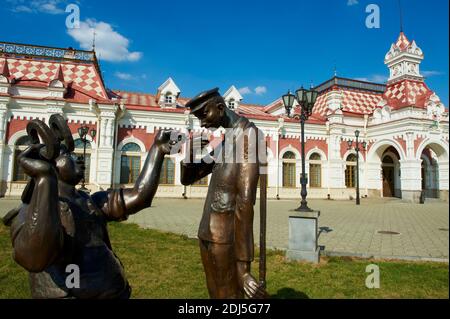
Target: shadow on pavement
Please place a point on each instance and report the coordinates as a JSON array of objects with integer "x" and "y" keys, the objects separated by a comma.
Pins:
[{"x": 324, "y": 229}]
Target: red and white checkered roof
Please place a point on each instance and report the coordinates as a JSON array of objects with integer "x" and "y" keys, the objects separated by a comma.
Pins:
[
  {"x": 352, "y": 101},
  {"x": 84, "y": 76},
  {"x": 407, "y": 93}
]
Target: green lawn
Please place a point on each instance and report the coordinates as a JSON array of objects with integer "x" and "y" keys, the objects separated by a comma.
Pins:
[{"x": 161, "y": 265}]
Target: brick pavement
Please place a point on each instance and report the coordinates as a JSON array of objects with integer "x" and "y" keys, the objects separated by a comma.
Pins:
[{"x": 345, "y": 228}]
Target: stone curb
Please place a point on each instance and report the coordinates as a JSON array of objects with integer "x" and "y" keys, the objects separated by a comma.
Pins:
[{"x": 389, "y": 257}]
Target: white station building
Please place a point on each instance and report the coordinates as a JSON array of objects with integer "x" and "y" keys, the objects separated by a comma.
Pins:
[{"x": 403, "y": 122}]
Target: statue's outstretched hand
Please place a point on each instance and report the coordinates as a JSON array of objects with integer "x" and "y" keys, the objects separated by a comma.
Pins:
[
  {"x": 169, "y": 141},
  {"x": 32, "y": 163}
]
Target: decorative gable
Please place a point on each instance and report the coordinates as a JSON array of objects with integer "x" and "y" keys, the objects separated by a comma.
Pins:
[
  {"x": 168, "y": 94},
  {"x": 57, "y": 86},
  {"x": 435, "y": 108},
  {"x": 233, "y": 98}
]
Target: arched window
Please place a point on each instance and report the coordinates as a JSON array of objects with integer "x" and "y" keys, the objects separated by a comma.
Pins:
[
  {"x": 21, "y": 144},
  {"x": 167, "y": 176},
  {"x": 315, "y": 170},
  {"x": 78, "y": 152},
  {"x": 289, "y": 176},
  {"x": 168, "y": 98},
  {"x": 130, "y": 163},
  {"x": 350, "y": 171},
  {"x": 231, "y": 104}
]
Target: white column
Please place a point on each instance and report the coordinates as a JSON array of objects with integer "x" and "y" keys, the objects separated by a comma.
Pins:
[
  {"x": 3, "y": 163},
  {"x": 411, "y": 179},
  {"x": 443, "y": 179},
  {"x": 373, "y": 177},
  {"x": 336, "y": 170},
  {"x": 105, "y": 150},
  {"x": 273, "y": 165}
]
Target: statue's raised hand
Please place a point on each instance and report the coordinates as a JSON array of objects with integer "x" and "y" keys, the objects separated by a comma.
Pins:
[
  {"x": 32, "y": 163},
  {"x": 169, "y": 141}
]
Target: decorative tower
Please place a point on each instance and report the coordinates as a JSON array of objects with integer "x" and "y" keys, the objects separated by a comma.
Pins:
[
  {"x": 406, "y": 86},
  {"x": 403, "y": 60}
]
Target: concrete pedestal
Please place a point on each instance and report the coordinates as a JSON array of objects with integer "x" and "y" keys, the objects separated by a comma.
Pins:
[{"x": 303, "y": 237}]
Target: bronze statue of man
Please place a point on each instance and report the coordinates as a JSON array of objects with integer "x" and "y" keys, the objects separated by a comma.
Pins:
[
  {"x": 58, "y": 226},
  {"x": 226, "y": 228}
]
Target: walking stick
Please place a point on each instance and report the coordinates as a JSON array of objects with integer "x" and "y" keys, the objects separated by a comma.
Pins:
[{"x": 263, "y": 221}]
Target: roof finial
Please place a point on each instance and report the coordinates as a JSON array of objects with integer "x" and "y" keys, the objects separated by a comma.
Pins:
[
  {"x": 401, "y": 15},
  {"x": 335, "y": 69},
  {"x": 59, "y": 75}
]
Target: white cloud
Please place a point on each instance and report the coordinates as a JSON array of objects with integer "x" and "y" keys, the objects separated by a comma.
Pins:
[
  {"x": 352, "y": 2},
  {"x": 123, "y": 76},
  {"x": 50, "y": 7},
  {"x": 428, "y": 74},
  {"x": 245, "y": 90},
  {"x": 109, "y": 44},
  {"x": 38, "y": 6},
  {"x": 377, "y": 78},
  {"x": 260, "y": 90},
  {"x": 22, "y": 8}
]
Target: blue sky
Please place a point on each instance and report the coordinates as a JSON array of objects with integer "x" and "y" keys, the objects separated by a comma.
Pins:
[{"x": 262, "y": 47}]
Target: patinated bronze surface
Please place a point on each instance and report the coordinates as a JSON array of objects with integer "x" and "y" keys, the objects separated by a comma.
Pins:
[
  {"x": 226, "y": 227},
  {"x": 59, "y": 226}
]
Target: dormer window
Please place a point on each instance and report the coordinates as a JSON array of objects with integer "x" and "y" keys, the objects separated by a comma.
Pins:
[
  {"x": 233, "y": 98},
  {"x": 168, "y": 94}
]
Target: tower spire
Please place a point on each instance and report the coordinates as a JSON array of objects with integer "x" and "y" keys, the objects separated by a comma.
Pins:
[
  {"x": 93, "y": 39},
  {"x": 335, "y": 69},
  {"x": 401, "y": 15}
]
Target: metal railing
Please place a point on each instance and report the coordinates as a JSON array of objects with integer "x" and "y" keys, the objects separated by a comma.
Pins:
[{"x": 47, "y": 52}]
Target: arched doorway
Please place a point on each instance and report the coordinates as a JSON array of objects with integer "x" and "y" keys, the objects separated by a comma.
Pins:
[
  {"x": 390, "y": 167},
  {"x": 435, "y": 168},
  {"x": 430, "y": 173},
  {"x": 374, "y": 167}
]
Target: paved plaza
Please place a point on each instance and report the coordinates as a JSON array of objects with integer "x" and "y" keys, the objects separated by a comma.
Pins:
[{"x": 345, "y": 229}]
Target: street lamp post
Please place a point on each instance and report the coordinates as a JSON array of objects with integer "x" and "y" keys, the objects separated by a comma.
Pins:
[
  {"x": 306, "y": 99},
  {"x": 357, "y": 150},
  {"x": 83, "y": 132}
]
